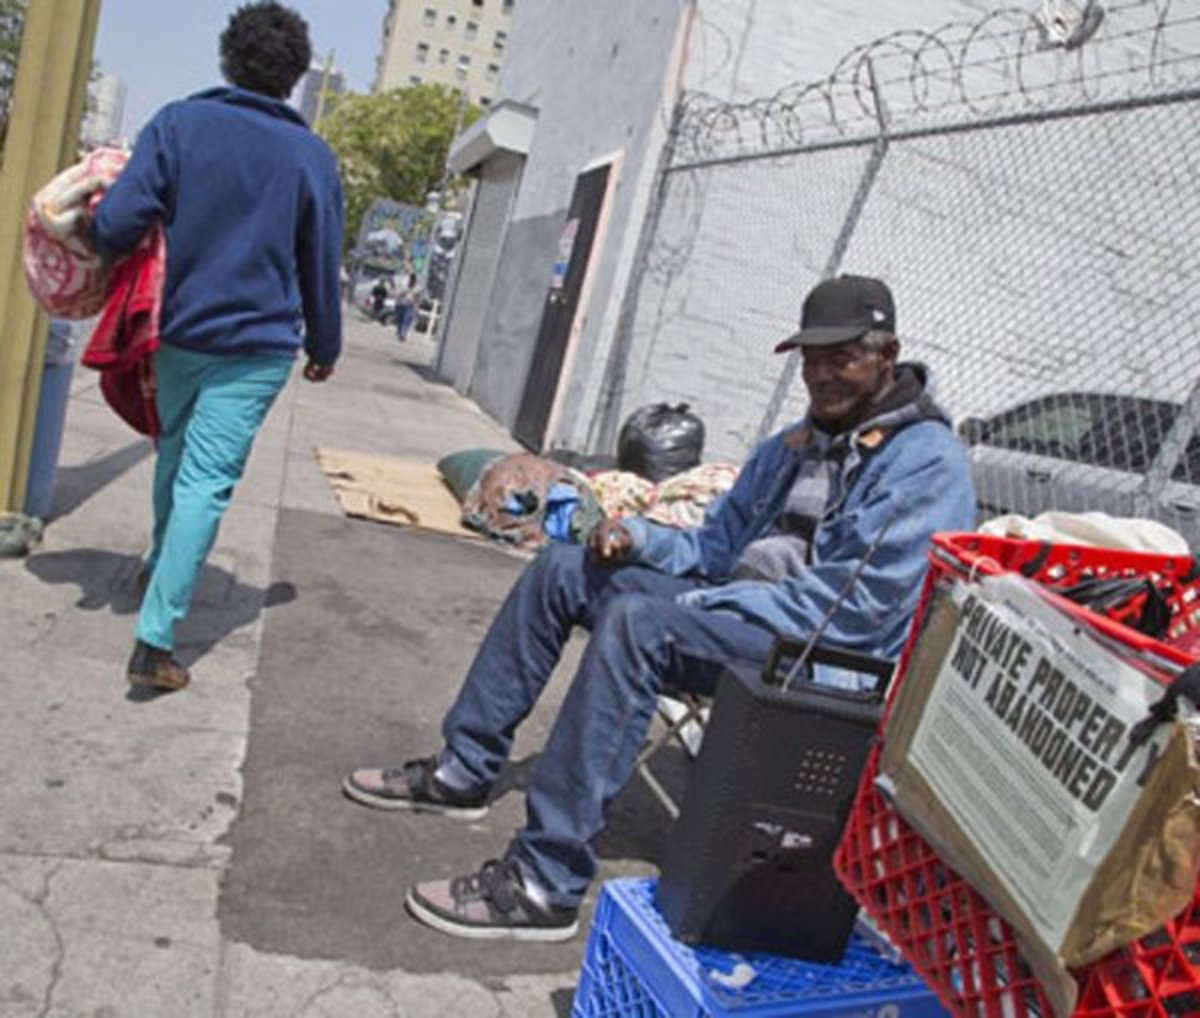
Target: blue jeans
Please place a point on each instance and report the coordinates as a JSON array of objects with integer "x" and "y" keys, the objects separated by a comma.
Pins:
[
  {"x": 210, "y": 407},
  {"x": 406, "y": 313},
  {"x": 642, "y": 642}
]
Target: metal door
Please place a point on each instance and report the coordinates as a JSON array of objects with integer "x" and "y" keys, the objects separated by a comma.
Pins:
[{"x": 562, "y": 300}]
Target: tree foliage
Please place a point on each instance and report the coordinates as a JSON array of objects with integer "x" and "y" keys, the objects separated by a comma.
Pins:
[
  {"x": 12, "y": 19},
  {"x": 392, "y": 145}
]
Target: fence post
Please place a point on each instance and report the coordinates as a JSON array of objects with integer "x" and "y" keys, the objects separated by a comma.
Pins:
[
  {"x": 1171, "y": 452},
  {"x": 849, "y": 225}
]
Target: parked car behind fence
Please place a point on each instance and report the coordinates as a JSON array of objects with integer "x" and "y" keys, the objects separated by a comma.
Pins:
[{"x": 1123, "y": 455}]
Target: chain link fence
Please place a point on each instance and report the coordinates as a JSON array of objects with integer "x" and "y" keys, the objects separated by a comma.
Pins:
[{"x": 1027, "y": 185}]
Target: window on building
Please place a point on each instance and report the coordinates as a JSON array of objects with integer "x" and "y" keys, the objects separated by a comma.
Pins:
[
  {"x": 499, "y": 42},
  {"x": 493, "y": 72},
  {"x": 506, "y": 7},
  {"x": 464, "y": 62},
  {"x": 414, "y": 79},
  {"x": 429, "y": 17},
  {"x": 484, "y": 101},
  {"x": 443, "y": 55},
  {"x": 451, "y": 20},
  {"x": 422, "y": 52},
  {"x": 472, "y": 30},
  {"x": 478, "y": 4}
]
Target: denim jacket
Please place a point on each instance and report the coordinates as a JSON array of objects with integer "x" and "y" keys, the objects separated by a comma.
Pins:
[{"x": 905, "y": 476}]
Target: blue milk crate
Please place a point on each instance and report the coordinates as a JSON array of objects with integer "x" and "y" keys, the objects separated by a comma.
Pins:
[{"x": 633, "y": 968}]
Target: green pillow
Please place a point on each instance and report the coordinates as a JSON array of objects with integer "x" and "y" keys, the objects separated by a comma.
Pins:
[{"x": 460, "y": 470}]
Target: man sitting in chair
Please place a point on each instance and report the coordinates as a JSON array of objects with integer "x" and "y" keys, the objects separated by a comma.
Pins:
[{"x": 870, "y": 473}]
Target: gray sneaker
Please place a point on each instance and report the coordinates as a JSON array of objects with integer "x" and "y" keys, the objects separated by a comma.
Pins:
[
  {"x": 492, "y": 904},
  {"x": 414, "y": 786}
]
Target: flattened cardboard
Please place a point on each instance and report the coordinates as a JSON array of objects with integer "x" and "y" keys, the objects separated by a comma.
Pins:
[{"x": 405, "y": 492}]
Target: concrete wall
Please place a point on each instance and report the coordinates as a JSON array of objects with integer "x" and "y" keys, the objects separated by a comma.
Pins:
[
  {"x": 476, "y": 270},
  {"x": 747, "y": 49},
  {"x": 595, "y": 73}
]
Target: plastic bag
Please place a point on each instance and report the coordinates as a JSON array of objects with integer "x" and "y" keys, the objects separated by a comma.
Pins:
[{"x": 659, "y": 441}]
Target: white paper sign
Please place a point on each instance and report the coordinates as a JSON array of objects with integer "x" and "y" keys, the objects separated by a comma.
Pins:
[{"x": 1025, "y": 741}]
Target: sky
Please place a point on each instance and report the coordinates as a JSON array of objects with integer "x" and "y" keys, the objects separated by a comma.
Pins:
[{"x": 166, "y": 49}]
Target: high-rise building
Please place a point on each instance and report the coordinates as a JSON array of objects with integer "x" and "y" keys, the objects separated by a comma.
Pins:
[
  {"x": 448, "y": 42},
  {"x": 106, "y": 110},
  {"x": 306, "y": 96}
]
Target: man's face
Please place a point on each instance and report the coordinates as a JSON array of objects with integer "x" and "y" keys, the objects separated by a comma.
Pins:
[{"x": 844, "y": 380}]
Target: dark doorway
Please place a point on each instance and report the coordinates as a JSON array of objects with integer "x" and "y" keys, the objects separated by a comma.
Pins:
[{"x": 562, "y": 300}]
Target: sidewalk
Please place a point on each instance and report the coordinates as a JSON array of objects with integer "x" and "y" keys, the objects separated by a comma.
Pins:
[{"x": 191, "y": 855}]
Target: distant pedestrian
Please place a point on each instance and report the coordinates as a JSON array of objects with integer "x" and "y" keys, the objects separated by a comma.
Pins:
[
  {"x": 251, "y": 205},
  {"x": 406, "y": 305},
  {"x": 379, "y": 296}
]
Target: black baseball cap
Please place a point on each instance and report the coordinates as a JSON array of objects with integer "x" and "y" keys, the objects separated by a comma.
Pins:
[{"x": 841, "y": 309}]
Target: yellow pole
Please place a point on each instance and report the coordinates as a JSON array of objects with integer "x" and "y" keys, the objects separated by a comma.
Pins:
[
  {"x": 43, "y": 137},
  {"x": 325, "y": 72}
]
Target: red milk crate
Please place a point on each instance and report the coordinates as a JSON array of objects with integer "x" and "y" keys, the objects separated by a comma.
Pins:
[{"x": 951, "y": 936}]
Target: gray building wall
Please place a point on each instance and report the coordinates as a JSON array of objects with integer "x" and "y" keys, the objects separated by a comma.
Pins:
[
  {"x": 478, "y": 267},
  {"x": 595, "y": 73}
]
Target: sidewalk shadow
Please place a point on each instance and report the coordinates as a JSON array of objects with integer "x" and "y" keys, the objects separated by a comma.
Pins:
[
  {"x": 75, "y": 485},
  {"x": 108, "y": 580}
]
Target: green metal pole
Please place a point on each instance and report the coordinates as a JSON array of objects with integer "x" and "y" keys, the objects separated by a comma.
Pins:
[{"x": 43, "y": 137}]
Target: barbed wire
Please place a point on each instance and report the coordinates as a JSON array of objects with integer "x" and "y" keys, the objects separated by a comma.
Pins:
[{"x": 1012, "y": 60}]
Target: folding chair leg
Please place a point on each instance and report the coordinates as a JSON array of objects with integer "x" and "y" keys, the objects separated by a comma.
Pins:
[
  {"x": 692, "y": 714},
  {"x": 660, "y": 793}
]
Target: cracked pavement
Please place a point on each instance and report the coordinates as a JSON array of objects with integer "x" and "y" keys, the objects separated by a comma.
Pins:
[{"x": 190, "y": 855}]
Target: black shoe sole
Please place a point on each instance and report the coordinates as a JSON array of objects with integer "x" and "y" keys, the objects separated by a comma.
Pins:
[
  {"x": 361, "y": 795},
  {"x": 530, "y": 934}
]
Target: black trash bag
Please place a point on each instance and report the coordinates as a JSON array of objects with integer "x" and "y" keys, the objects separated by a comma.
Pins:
[{"x": 659, "y": 441}]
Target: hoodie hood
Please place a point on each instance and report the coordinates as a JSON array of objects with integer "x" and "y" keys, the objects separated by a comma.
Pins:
[
  {"x": 251, "y": 100},
  {"x": 910, "y": 399}
]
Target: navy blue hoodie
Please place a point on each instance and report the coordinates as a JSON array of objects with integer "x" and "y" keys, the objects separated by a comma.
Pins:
[{"x": 252, "y": 206}]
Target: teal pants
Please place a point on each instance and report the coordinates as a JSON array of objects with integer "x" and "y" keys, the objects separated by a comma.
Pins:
[{"x": 210, "y": 407}]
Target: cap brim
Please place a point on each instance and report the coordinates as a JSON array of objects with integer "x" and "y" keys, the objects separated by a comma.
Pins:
[{"x": 824, "y": 336}]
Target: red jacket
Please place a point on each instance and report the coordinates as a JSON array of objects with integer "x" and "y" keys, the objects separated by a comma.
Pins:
[{"x": 122, "y": 345}]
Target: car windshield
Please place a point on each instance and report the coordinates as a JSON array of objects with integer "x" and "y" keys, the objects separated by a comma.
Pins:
[{"x": 1117, "y": 432}]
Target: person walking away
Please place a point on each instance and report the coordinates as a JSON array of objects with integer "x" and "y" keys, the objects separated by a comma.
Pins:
[
  {"x": 379, "y": 296},
  {"x": 251, "y": 205},
  {"x": 406, "y": 305}
]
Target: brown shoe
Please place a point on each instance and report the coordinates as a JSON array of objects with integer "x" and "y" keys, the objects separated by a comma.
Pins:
[{"x": 155, "y": 668}]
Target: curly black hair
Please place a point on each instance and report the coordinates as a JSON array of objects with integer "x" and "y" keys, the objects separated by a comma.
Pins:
[{"x": 265, "y": 48}]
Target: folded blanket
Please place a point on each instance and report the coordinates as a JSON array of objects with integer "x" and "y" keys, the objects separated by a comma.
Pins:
[
  {"x": 69, "y": 280},
  {"x": 65, "y": 276}
]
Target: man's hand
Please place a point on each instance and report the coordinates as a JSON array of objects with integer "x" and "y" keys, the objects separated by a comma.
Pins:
[
  {"x": 315, "y": 372},
  {"x": 609, "y": 543}
]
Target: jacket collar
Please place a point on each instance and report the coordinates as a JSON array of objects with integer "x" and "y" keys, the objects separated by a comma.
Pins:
[{"x": 251, "y": 100}]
